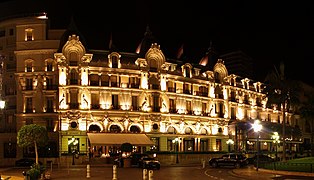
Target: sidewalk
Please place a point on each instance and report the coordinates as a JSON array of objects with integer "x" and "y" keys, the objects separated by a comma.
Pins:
[{"x": 266, "y": 174}]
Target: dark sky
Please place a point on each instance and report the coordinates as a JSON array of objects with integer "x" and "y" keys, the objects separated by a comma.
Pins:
[{"x": 268, "y": 31}]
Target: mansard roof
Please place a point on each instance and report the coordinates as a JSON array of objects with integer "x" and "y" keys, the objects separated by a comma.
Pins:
[{"x": 71, "y": 29}]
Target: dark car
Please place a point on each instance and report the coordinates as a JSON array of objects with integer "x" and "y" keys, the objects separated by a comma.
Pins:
[
  {"x": 236, "y": 160},
  {"x": 134, "y": 158},
  {"x": 147, "y": 162},
  {"x": 262, "y": 158},
  {"x": 24, "y": 162}
]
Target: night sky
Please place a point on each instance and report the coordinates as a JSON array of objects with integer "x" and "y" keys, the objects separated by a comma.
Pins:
[{"x": 267, "y": 31}]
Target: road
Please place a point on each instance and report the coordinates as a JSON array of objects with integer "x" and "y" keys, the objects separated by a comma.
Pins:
[{"x": 165, "y": 173}]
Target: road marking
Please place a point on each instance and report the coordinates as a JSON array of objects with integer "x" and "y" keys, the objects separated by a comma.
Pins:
[{"x": 213, "y": 177}]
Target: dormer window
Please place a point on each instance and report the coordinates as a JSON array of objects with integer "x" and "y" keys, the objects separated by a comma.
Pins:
[
  {"x": 114, "y": 60},
  {"x": 29, "y": 36},
  {"x": 28, "y": 66},
  {"x": 49, "y": 66},
  {"x": 187, "y": 72},
  {"x": 73, "y": 59}
]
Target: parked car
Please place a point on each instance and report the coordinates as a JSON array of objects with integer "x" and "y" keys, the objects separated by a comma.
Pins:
[
  {"x": 24, "y": 162},
  {"x": 135, "y": 157},
  {"x": 236, "y": 160},
  {"x": 147, "y": 162},
  {"x": 262, "y": 158}
]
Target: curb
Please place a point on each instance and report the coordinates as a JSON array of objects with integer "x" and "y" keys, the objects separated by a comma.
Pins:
[{"x": 286, "y": 172}]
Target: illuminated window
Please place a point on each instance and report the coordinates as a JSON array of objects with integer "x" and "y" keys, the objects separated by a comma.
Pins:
[
  {"x": 218, "y": 145},
  {"x": 49, "y": 105},
  {"x": 29, "y": 66},
  {"x": 49, "y": 66},
  {"x": 114, "y": 60},
  {"x": 135, "y": 103},
  {"x": 73, "y": 59},
  {"x": 29, "y": 105},
  {"x": 187, "y": 72},
  {"x": 29, "y": 34}
]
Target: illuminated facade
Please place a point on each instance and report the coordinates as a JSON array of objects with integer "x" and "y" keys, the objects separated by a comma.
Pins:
[{"x": 51, "y": 78}]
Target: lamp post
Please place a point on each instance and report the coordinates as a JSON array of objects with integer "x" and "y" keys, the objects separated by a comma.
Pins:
[
  {"x": 229, "y": 142},
  {"x": 2, "y": 104},
  {"x": 276, "y": 140},
  {"x": 257, "y": 128},
  {"x": 176, "y": 141}
]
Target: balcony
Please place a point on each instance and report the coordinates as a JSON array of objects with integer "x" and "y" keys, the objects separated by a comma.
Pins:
[
  {"x": 135, "y": 85},
  {"x": 51, "y": 87},
  {"x": 74, "y": 105},
  {"x": 94, "y": 83},
  {"x": 171, "y": 89},
  {"x": 95, "y": 106}
]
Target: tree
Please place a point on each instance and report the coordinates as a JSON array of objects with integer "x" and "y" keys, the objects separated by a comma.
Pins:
[
  {"x": 284, "y": 93},
  {"x": 32, "y": 135},
  {"x": 307, "y": 112},
  {"x": 126, "y": 147}
]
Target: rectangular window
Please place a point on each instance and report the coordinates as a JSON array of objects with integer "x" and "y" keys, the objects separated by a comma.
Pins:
[
  {"x": 114, "y": 81},
  {"x": 204, "y": 106},
  {"x": 29, "y": 67},
  {"x": 156, "y": 143},
  {"x": 29, "y": 84},
  {"x": 95, "y": 101},
  {"x": 9, "y": 150},
  {"x": 49, "y": 125},
  {"x": 2, "y": 33},
  {"x": 11, "y": 32},
  {"x": 49, "y": 107},
  {"x": 114, "y": 61},
  {"x": 115, "y": 102},
  {"x": 218, "y": 145},
  {"x": 188, "y": 107},
  {"x": 49, "y": 83},
  {"x": 156, "y": 101},
  {"x": 29, "y": 34},
  {"x": 172, "y": 106},
  {"x": 73, "y": 145},
  {"x": 204, "y": 145},
  {"x": 29, "y": 105},
  {"x": 135, "y": 103},
  {"x": 49, "y": 66}
]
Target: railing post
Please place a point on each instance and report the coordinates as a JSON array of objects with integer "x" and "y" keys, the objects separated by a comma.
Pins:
[
  {"x": 114, "y": 172},
  {"x": 144, "y": 174},
  {"x": 88, "y": 171},
  {"x": 150, "y": 174}
]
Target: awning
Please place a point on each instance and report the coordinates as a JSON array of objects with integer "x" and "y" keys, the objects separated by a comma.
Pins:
[{"x": 118, "y": 139}]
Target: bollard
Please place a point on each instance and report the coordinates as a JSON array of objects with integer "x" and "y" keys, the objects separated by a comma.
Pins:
[
  {"x": 144, "y": 174},
  {"x": 114, "y": 172},
  {"x": 88, "y": 171},
  {"x": 203, "y": 163},
  {"x": 150, "y": 174}
]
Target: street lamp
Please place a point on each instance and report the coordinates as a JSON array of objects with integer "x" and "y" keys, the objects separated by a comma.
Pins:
[
  {"x": 176, "y": 141},
  {"x": 257, "y": 128},
  {"x": 230, "y": 142},
  {"x": 2, "y": 104},
  {"x": 276, "y": 140}
]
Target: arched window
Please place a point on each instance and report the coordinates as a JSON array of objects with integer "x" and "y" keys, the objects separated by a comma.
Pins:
[
  {"x": 115, "y": 129},
  {"x": 171, "y": 130},
  {"x": 135, "y": 129},
  {"x": 94, "y": 128}
]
